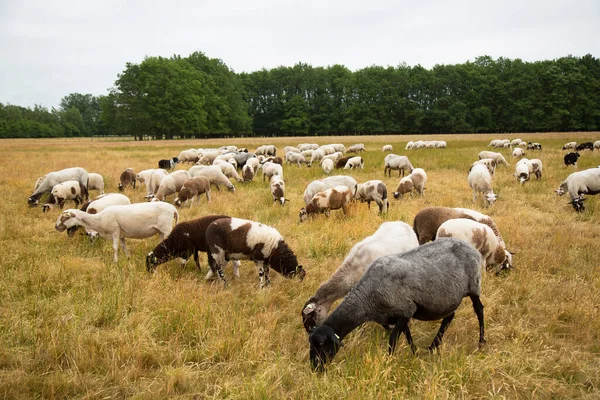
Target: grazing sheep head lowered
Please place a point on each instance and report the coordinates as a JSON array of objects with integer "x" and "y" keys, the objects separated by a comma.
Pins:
[{"x": 324, "y": 345}]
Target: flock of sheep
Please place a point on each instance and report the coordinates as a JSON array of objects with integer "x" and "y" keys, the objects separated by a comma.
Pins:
[{"x": 390, "y": 277}]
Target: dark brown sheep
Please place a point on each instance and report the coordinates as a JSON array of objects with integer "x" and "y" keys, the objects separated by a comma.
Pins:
[{"x": 192, "y": 189}]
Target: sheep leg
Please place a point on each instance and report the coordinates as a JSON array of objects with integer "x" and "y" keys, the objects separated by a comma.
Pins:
[
  {"x": 478, "y": 307},
  {"x": 125, "y": 247},
  {"x": 197, "y": 260},
  {"x": 474, "y": 196},
  {"x": 369, "y": 204},
  {"x": 115, "y": 248},
  {"x": 401, "y": 326},
  {"x": 236, "y": 268},
  {"x": 208, "y": 196},
  {"x": 440, "y": 334}
]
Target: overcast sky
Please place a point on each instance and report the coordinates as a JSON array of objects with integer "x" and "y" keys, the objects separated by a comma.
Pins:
[{"x": 49, "y": 49}]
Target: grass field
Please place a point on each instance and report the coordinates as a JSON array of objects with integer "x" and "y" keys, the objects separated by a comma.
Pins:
[{"x": 75, "y": 325}]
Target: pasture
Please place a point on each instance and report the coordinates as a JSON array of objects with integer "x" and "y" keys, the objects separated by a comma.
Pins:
[{"x": 75, "y": 325}]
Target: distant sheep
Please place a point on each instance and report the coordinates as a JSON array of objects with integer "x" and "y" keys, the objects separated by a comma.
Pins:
[
  {"x": 214, "y": 174},
  {"x": 327, "y": 166},
  {"x": 270, "y": 169},
  {"x": 128, "y": 178},
  {"x": 597, "y": 145},
  {"x": 248, "y": 173},
  {"x": 190, "y": 155},
  {"x": 240, "y": 239},
  {"x": 425, "y": 283},
  {"x": 355, "y": 162},
  {"x": 172, "y": 184},
  {"x": 330, "y": 199},
  {"x": 570, "y": 145},
  {"x": 390, "y": 238},
  {"x": 495, "y": 156},
  {"x": 374, "y": 190},
  {"x": 534, "y": 146},
  {"x": 518, "y": 152},
  {"x": 387, "y": 147},
  {"x": 296, "y": 158},
  {"x": 585, "y": 146},
  {"x": 571, "y": 159},
  {"x": 356, "y": 148}
]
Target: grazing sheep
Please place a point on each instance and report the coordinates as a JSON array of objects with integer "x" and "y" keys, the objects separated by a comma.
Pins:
[
  {"x": 480, "y": 180},
  {"x": 172, "y": 184},
  {"x": 248, "y": 173},
  {"x": 168, "y": 164},
  {"x": 128, "y": 178},
  {"x": 295, "y": 158},
  {"x": 585, "y": 146},
  {"x": 338, "y": 147},
  {"x": 186, "y": 239},
  {"x": 308, "y": 146},
  {"x": 321, "y": 185},
  {"x": 415, "y": 181},
  {"x": 266, "y": 150},
  {"x": 253, "y": 162},
  {"x": 153, "y": 184},
  {"x": 317, "y": 156},
  {"x": 243, "y": 158},
  {"x": 292, "y": 149},
  {"x": 229, "y": 170},
  {"x": 331, "y": 199},
  {"x": 98, "y": 204},
  {"x": 192, "y": 189},
  {"x": 327, "y": 166},
  {"x": 518, "y": 152},
  {"x": 570, "y": 145},
  {"x": 523, "y": 169},
  {"x": 190, "y": 155},
  {"x": 240, "y": 239},
  {"x": 95, "y": 182},
  {"x": 139, "y": 221},
  {"x": 571, "y": 159},
  {"x": 490, "y": 163},
  {"x": 409, "y": 145},
  {"x": 356, "y": 148},
  {"x": 341, "y": 163},
  {"x": 515, "y": 142},
  {"x": 69, "y": 190},
  {"x": 579, "y": 183},
  {"x": 482, "y": 237},
  {"x": 597, "y": 145},
  {"x": 537, "y": 166},
  {"x": 207, "y": 157},
  {"x": 495, "y": 156},
  {"x": 54, "y": 178},
  {"x": 270, "y": 169},
  {"x": 144, "y": 176},
  {"x": 425, "y": 283},
  {"x": 428, "y": 220},
  {"x": 374, "y": 190},
  {"x": 393, "y": 162},
  {"x": 214, "y": 174},
  {"x": 334, "y": 156},
  {"x": 355, "y": 162},
  {"x": 534, "y": 146},
  {"x": 390, "y": 238},
  {"x": 387, "y": 147}
]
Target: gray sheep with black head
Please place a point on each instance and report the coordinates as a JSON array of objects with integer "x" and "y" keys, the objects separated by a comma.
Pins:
[{"x": 426, "y": 283}]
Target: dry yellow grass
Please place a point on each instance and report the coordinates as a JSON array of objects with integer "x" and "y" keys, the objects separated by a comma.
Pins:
[{"x": 75, "y": 325}]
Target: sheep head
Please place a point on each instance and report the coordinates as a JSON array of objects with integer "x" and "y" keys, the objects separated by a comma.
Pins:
[
  {"x": 313, "y": 315},
  {"x": 491, "y": 198},
  {"x": 66, "y": 220},
  {"x": 303, "y": 215},
  {"x": 324, "y": 345},
  {"x": 151, "y": 262}
]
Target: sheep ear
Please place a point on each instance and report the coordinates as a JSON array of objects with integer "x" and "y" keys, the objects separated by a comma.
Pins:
[{"x": 309, "y": 308}]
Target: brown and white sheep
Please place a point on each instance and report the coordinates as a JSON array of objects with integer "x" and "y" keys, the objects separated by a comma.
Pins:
[
  {"x": 355, "y": 162},
  {"x": 69, "y": 190},
  {"x": 127, "y": 178},
  {"x": 192, "y": 189},
  {"x": 214, "y": 174},
  {"x": 374, "y": 190},
  {"x": 277, "y": 185},
  {"x": 414, "y": 182},
  {"x": 331, "y": 199},
  {"x": 240, "y": 239},
  {"x": 54, "y": 178}
]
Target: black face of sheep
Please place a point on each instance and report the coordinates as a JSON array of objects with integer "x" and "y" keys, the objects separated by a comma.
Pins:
[
  {"x": 324, "y": 345},
  {"x": 578, "y": 205},
  {"x": 151, "y": 262},
  {"x": 72, "y": 230}
]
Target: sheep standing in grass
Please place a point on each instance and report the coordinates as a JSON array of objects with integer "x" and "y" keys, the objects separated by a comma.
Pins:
[
  {"x": 277, "y": 185},
  {"x": 296, "y": 158},
  {"x": 270, "y": 169},
  {"x": 137, "y": 221},
  {"x": 153, "y": 183},
  {"x": 172, "y": 184},
  {"x": 321, "y": 185},
  {"x": 480, "y": 180},
  {"x": 248, "y": 173},
  {"x": 390, "y": 238},
  {"x": 186, "y": 239},
  {"x": 327, "y": 166},
  {"x": 69, "y": 190},
  {"x": 54, "y": 178},
  {"x": 98, "y": 204},
  {"x": 356, "y": 148},
  {"x": 387, "y": 147},
  {"x": 128, "y": 178},
  {"x": 597, "y": 145},
  {"x": 240, "y": 239},
  {"x": 495, "y": 156},
  {"x": 579, "y": 183},
  {"x": 95, "y": 182},
  {"x": 143, "y": 176},
  {"x": 571, "y": 159},
  {"x": 570, "y": 145},
  {"x": 396, "y": 162},
  {"x": 415, "y": 181},
  {"x": 192, "y": 189},
  {"x": 355, "y": 162},
  {"x": 518, "y": 152},
  {"x": 482, "y": 237},
  {"x": 331, "y": 199},
  {"x": 374, "y": 190},
  {"x": 229, "y": 170},
  {"x": 425, "y": 283},
  {"x": 214, "y": 174},
  {"x": 490, "y": 163}
]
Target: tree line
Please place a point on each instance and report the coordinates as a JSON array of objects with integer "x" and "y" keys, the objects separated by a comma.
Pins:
[{"x": 197, "y": 96}]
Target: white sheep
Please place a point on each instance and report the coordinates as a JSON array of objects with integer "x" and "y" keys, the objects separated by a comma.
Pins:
[
  {"x": 214, "y": 174},
  {"x": 95, "y": 182},
  {"x": 597, "y": 145},
  {"x": 522, "y": 170},
  {"x": 390, "y": 238},
  {"x": 228, "y": 169},
  {"x": 570, "y": 145},
  {"x": 333, "y": 156},
  {"x": 317, "y": 155},
  {"x": 208, "y": 157},
  {"x": 480, "y": 180},
  {"x": 172, "y": 184},
  {"x": 356, "y": 148},
  {"x": 518, "y": 152},
  {"x": 338, "y": 147},
  {"x": 277, "y": 185},
  {"x": 292, "y": 149},
  {"x": 579, "y": 183},
  {"x": 143, "y": 176},
  {"x": 308, "y": 146},
  {"x": 387, "y": 147},
  {"x": 270, "y": 169},
  {"x": 414, "y": 182},
  {"x": 98, "y": 204},
  {"x": 54, "y": 178},
  {"x": 295, "y": 158},
  {"x": 374, "y": 190},
  {"x": 190, "y": 155},
  {"x": 396, "y": 162},
  {"x": 482, "y": 237},
  {"x": 493, "y": 155},
  {"x": 355, "y": 162},
  {"x": 409, "y": 145},
  {"x": 153, "y": 183},
  {"x": 327, "y": 166},
  {"x": 138, "y": 221},
  {"x": 490, "y": 163}
]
